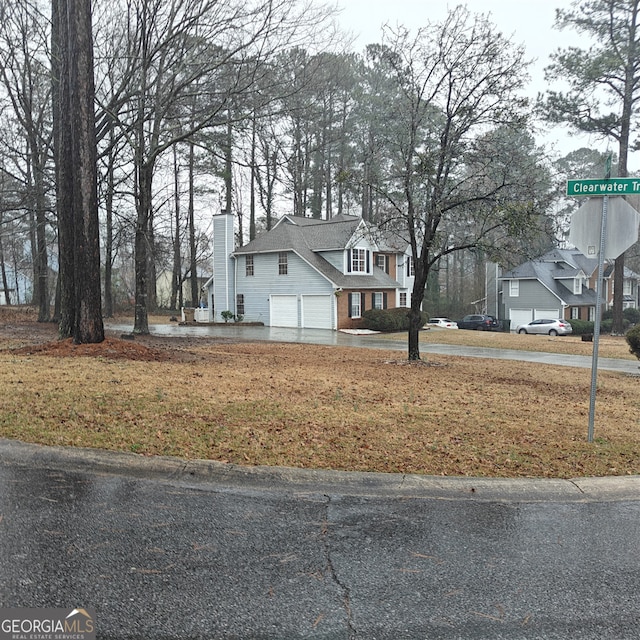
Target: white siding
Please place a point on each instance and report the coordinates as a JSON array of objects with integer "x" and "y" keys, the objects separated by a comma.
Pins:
[
  {"x": 224, "y": 298},
  {"x": 257, "y": 289}
]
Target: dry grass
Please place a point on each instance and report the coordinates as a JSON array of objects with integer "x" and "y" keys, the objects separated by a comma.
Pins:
[
  {"x": 322, "y": 407},
  {"x": 610, "y": 347}
]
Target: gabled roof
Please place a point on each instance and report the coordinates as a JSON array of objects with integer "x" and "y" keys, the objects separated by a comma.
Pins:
[
  {"x": 318, "y": 235},
  {"x": 554, "y": 266},
  {"x": 308, "y": 236},
  {"x": 562, "y": 263}
]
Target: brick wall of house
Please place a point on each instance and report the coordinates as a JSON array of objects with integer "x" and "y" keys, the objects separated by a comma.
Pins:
[{"x": 344, "y": 321}]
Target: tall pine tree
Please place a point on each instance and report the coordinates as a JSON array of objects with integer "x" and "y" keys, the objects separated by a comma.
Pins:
[
  {"x": 604, "y": 86},
  {"x": 76, "y": 171}
]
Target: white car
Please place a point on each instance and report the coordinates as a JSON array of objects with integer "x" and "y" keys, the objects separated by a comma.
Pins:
[
  {"x": 551, "y": 327},
  {"x": 444, "y": 323}
]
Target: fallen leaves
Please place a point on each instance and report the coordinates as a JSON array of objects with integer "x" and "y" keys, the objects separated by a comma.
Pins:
[{"x": 317, "y": 407}]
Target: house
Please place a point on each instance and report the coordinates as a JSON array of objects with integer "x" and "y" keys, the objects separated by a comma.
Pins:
[
  {"x": 18, "y": 286},
  {"x": 164, "y": 284},
  {"x": 559, "y": 284},
  {"x": 308, "y": 273}
]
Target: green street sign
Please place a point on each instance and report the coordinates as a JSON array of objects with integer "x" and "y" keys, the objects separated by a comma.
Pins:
[{"x": 612, "y": 187}]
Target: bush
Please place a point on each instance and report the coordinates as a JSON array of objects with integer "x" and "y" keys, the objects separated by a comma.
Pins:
[
  {"x": 631, "y": 315},
  {"x": 606, "y": 325},
  {"x": 633, "y": 340},
  {"x": 390, "y": 319},
  {"x": 581, "y": 327}
]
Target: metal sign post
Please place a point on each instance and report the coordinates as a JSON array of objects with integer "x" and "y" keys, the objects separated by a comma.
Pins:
[
  {"x": 617, "y": 231},
  {"x": 596, "y": 327}
]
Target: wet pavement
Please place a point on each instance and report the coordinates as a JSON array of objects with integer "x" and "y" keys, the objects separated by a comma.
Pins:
[
  {"x": 165, "y": 549},
  {"x": 372, "y": 341}
]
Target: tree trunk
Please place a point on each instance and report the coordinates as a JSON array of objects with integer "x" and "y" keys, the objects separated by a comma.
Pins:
[
  {"x": 617, "y": 328},
  {"x": 176, "y": 274},
  {"x": 64, "y": 171},
  {"x": 44, "y": 311},
  {"x": 108, "y": 241},
  {"x": 141, "y": 319},
  {"x": 252, "y": 187},
  {"x": 89, "y": 327},
  {"x": 421, "y": 273},
  {"x": 414, "y": 331},
  {"x": 76, "y": 170},
  {"x": 193, "y": 262},
  {"x": 5, "y": 282}
]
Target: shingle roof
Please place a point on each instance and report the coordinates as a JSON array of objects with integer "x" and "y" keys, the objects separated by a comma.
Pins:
[
  {"x": 293, "y": 231},
  {"x": 307, "y": 236},
  {"x": 556, "y": 265}
]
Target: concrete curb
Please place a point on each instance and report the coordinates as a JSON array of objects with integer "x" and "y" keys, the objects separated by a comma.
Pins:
[{"x": 311, "y": 482}]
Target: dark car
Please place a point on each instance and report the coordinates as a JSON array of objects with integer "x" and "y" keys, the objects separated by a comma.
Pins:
[{"x": 479, "y": 322}]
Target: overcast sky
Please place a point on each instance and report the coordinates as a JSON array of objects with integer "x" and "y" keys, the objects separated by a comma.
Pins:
[{"x": 526, "y": 22}]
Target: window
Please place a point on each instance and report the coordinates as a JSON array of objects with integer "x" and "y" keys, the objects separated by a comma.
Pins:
[
  {"x": 249, "y": 265},
  {"x": 355, "y": 308},
  {"x": 403, "y": 299},
  {"x": 575, "y": 313},
  {"x": 377, "y": 300},
  {"x": 411, "y": 267},
  {"x": 382, "y": 262},
  {"x": 240, "y": 304},
  {"x": 577, "y": 286},
  {"x": 359, "y": 261},
  {"x": 514, "y": 288},
  {"x": 626, "y": 287},
  {"x": 282, "y": 263},
  {"x": 592, "y": 314}
]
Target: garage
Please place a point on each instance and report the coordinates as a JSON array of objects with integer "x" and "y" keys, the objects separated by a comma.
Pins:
[
  {"x": 317, "y": 312},
  {"x": 520, "y": 316},
  {"x": 549, "y": 314},
  {"x": 283, "y": 311}
]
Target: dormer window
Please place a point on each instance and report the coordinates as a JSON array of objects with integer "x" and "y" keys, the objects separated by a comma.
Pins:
[
  {"x": 358, "y": 261},
  {"x": 577, "y": 286}
]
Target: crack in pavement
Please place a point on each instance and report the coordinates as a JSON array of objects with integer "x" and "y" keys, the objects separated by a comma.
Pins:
[{"x": 346, "y": 592}]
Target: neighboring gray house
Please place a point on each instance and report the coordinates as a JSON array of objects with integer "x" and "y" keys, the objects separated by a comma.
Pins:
[
  {"x": 559, "y": 284},
  {"x": 308, "y": 273}
]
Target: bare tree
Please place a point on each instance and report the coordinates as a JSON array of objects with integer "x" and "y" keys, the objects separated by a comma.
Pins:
[
  {"x": 453, "y": 82},
  {"x": 24, "y": 75},
  {"x": 192, "y": 52}
]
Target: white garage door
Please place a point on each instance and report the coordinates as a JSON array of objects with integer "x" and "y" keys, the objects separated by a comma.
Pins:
[
  {"x": 520, "y": 316},
  {"x": 284, "y": 311},
  {"x": 541, "y": 314},
  {"x": 316, "y": 312}
]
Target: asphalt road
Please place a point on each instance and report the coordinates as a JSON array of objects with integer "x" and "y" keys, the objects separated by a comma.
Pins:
[{"x": 164, "y": 549}]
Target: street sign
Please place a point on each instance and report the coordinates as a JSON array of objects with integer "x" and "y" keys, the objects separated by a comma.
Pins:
[
  {"x": 621, "y": 232},
  {"x": 612, "y": 187}
]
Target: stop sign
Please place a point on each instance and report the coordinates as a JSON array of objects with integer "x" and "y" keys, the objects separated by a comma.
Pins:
[{"x": 621, "y": 230}]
